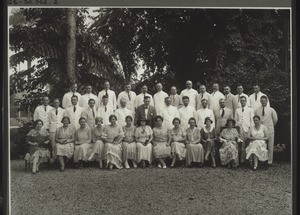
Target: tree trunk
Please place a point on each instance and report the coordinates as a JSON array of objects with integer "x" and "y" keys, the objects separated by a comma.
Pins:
[{"x": 71, "y": 45}]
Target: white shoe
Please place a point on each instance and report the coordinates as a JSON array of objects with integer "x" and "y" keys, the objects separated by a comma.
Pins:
[
  {"x": 91, "y": 157},
  {"x": 127, "y": 165},
  {"x": 134, "y": 164},
  {"x": 159, "y": 165},
  {"x": 164, "y": 167}
]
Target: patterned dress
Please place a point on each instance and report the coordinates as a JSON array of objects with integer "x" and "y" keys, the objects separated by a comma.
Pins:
[
  {"x": 178, "y": 148},
  {"x": 257, "y": 147},
  {"x": 40, "y": 151},
  {"x": 144, "y": 152},
  {"x": 63, "y": 133},
  {"x": 160, "y": 141},
  {"x": 99, "y": 147},
  {"x": 83, "y": 150},
  {"x": 129, "y": 145},
  {"x": 229, "y": 148},
  {"x": 208, "y": 134},
  {"x": 194, "y": 152},
  {"x": 113, "y": 152}
]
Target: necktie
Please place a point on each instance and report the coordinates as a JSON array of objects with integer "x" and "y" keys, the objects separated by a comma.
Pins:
[
  {"x": 73, "y": 94},
  {"x": 255, "y": 96},
  {"x": 106, "y": 94},
  {"x": 56, "y": 111},
  {"x": 242, "y": 109},
  {"x": 223, "y": 112},
  {"x": 105, "y": 108},
  {"x": 263, "y": 111},
  {"x": 129, "y": 96},
  {"x": 226, "y": 97},
  {"x": 74, "y": 109},
  {"x": 45, "y": 108},
  {"x": 173, "y": 98},
  {"x": 93, "y": 112}
]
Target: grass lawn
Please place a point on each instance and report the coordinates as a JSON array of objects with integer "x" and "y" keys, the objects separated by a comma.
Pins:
[{"x": 151, "y": 191}]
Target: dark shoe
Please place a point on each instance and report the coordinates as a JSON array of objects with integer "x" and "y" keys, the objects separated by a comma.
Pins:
[{"x": 201, "y": 165}]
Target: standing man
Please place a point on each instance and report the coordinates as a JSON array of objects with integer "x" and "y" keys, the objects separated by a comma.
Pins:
[
  {"x": 159, "y": 98},
  {"x": 269, "y": 119},
  {"x": 145, "y": 111},
  {"x": 175, "y": 98},
  {"x": 110, "y": 94},
  {"x": 89, "y": 113},
  {"x": 169, "y": 113},
  {"x": 186, "y": 112},
  {"x": 84, "y": 99},
  {"x": 104, "y": 110},
  {"x": 203, "y": 95},
  {"x": 190, "y": 92},
  {"x": 74, "y": 112},
  {"x": 239, "y": 94},
  {"x": 66, "y": 102},
  {"x": 139, "y": 100},
  {"x": 204, "y": 112},
  {"x": 221, "y": 115},
  {"x": 244, "y": 119},
  {"x": 216, "y": 95},
  {"x": 122, "y": 112},
  {"x": 230, "y": 99},
  {"x": 41, "y": 112},
  {"x": 129, "y": 96},
  {"x": 55, "y": 116},
  {"x": 255, "y": 101}
]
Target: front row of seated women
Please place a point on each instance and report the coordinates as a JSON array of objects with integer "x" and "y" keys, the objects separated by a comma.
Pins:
[{"x": 119, "y": 146}]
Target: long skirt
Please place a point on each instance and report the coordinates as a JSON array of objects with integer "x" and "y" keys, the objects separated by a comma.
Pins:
[
  {"x": 114, "y": 154},
  {"x": 129, "y": 151},
  {"x": 229, "y": 152},
  {"x": 258, "y": 148},
  {"x": 99, "y": 150},
  {"x": 82, "y": 152},
  {"x": 144, "y": 152},
  {"x": 161, "y": 150},
  {"x": 65, "y": 149},
  {"x": 178, "y": 149},
  {"x": 40, "y": 153},
  {"x": 194, "y": 153}
]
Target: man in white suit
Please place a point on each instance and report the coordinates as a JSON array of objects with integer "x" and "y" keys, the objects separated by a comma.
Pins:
[
  {"x": 203, "y": 95},
  {"x": 66, "y": 102},
  {"x": 221, "y": 115},
  {"x": 190, "y": 92},
  {"x": 74, "y": 112},
  {"x": 159, "y": 98},
  {"x": 169, "y": 112},
  {"x": 175, "y": 98},
  {"x": 84, "y": 99},
  {"x": 204, "y": 112},
  {"x": 104, "y": 111},
  {"x": 240, "y": 93},
  {"x": 244, "y": 119},
  {"x": 55, "y": 116},
  {"x": 186, "y": 112},
  {"x": 216, "y": 95},
  {"x": 255, "y": 98},
  {"x": 269, "y": 119},
  {"x": 122, "y": 112},
  {"x": 89, "y": 113},
  {"x": 129, "y": 96},
  {"x": 41, "y": 112},
  {"x": 139, "y": 100},
  {"x": 110, "y": 94}
]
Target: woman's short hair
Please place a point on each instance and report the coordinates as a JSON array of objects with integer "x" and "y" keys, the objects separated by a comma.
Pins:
[
  {"x": 158, "y": 117},
  {"x": 38, "y": 120},
  {"x": 142, "y": 120},
  {"x": 257, "y": 117},
  {"x": 112, "y": 116},
  {"x": 81, "y": 118},
  {"x": 66, "y": 117},
  {"x": 129, "y": 117},
  {"x": 230, "y": 120},
  {"x": 98, "y": 119},
  {"x": 207, "y": 119},
  {"x": 176, "y": 118},
  {"x": 192, "y": 118}
]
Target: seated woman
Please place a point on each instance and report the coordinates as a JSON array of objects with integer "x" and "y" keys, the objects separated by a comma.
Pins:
[
  {"x": 177, "y": 138},
  {"x": 194, "y": 149},
  {"x": 208, "y": 136},
  {"x": 98, "y": 152},
  {"x": 229, "y": 138},
  {"x": 143, "y": 137},
  {"x": 83, "y": 139},
  {"x": 112, "y": 136},
  {"x": 64, "y": 138},
  {"x": 38, "y": 140},
  {"x": 161, "y": 147},
  {"x": 257, "y": 149},
  {"x": 129, "y": 144}
]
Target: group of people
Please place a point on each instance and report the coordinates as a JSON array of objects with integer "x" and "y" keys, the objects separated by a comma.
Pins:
[{"x": 131, "y": 130}]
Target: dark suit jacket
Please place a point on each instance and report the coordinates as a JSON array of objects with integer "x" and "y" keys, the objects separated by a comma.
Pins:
[{"x": 140, "y": 113}]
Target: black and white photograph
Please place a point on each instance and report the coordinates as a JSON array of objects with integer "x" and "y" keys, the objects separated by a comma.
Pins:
[{"x": 150, "y": 110}]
